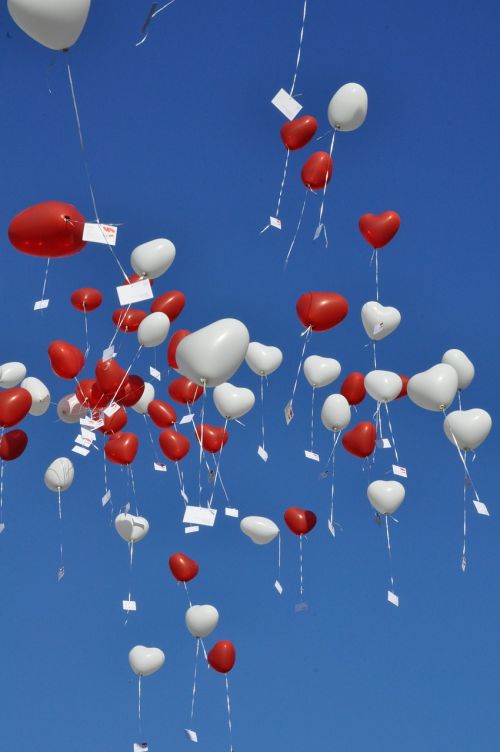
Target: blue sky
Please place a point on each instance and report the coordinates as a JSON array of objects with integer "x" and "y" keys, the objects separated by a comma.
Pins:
[{"x": 183, "y": 142}]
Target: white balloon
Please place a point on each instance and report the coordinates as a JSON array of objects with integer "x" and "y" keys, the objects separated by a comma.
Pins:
[
  {"x": 69, "y": 410},
  {"x": 260, "y": 530},
  {"x": 152, "y": 259},
  {"x": 59, "y": 474},
  {"x": 469, "y": 427},
  {"x": 321, "y": 371},
  {"x": 148, "y": 395},
  {"x": 40, "y": 395},
  {"x": 379, "y": 321},
  {"x": 336, "y": 412},
  {"x": 131, "y": 528},
  {"x": 263, "y": 359},
  {"x": 201, "y": 620},
  {"x": 435, "y": 388},
  {"x": 462, "y": 365},
  {"x": 210, "y": 356},
  {"x": 348, "y": 107},
  {"x": 153, "y": 330},
  {"x": 56, "y": 24},
  {"x": 383, "y": 386},
  {"x": 232, "y": 401},
  {"x": 145, "y": 661},
  {"x": 11, "y": 374},
  {"x": 386, "y": 496}
]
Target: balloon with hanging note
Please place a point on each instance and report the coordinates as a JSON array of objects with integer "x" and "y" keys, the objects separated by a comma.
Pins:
[
  {"x": 201, "y": 620},
  {"x": 59, "y": 474},
  {"x": 52, "y": 229},
  {"x": 15, "y": 404},
  {"x": 297, "y": 134},
  {"x": 379, "y": 321},
  {"x": 353, "y": 388},
  {"x": 66, "y": 360},
  {"x": 233, "y": 402},
  {"x": 40, "y": 395},
  {"x": 211, "y": 355},
  {"x": 462, "y": 365},
  {"x": 12, "y": 444},
  {"x": 321, "y": 311},
  {"x": 360, "y": 440},
  {"x": 56, "y": 24},
  {"x": 386, "y": 496},
  {"x": 170, "y": 303},
  {"x": 383, "y": 386},
  {"x": 11, "y": 374},
  {"x": 379, "y": 229},
  {"x": 300, "y": 521},
  {"x": 335, "y": 413},
  {"x": 317, "y": 171},
  {"x": 145, "y": 661},
  {"x": 467, "y": 428},
  {"x": 184, "y": 391},
  {"x": 121, "y": 448},
  {"x": 86, "y": 299},
  {"x": 434, "y": 389},
  {"x": 260, "y": 530},
  {"x": 152, "y": 259},
  {"x": 320, "y": 371},
  {"x": 161, "y": 413},
  {"x": 182, "y": 567},
  {"x": 173, "y": 444},
  {"x": 212, "y": 438},
  {"x": 348, "y": 107},
  {"x": 131, "y": 527}
]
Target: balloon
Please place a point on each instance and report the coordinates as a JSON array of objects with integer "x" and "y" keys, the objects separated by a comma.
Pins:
[
  {"x": 133, "y": 278},
  {"x": 11, "y": 374},
  {"x": 59, "y": 474},
  {"x": 153, "y": 330},
  {"x": 348, "y": 107},
  {"x": 121, "y": 448},
  {"x": 468, "y": 428},
  {"x": 131, "y": 528},
  {"x": 379, "y": 229},
  {"x": 321, "y": 371},
  {"x": 128, "y": 320},
  {"x": 86, "y": 299},
  {"x": 435, "y": 388},
  {"x": 260, "y": 530},
  {"x": 462, "y": 365},
  {"x": 336, "y": 412},
  {"x": 161, "y": 413},
  {"x": 109, "y": 375},
  {"x": 379, "y": 321},
  {"x": 56, "y": 24},
  {"x": 184, "y": 391},
  {"x": 148, "y": 395},
  {"x": 300, "y": 521},
  {"x": 174, "y": 445},
  {"x": 213, "y": 354},
  {"x": 66, "y": 360},
  {"x": 12, "y": 444},
  {"x": 386, "y": 496},
  {"x": 222, "y": 657},
  {"x": 89, "y": 394},
  {"x": 172, "y": 346},
  {"x": 361, "y": 439},
  {"x": 263, "y": 359},
  {"x": 69, "y": 409},
  {"x": 212, "y": 438},
  {"x": 317, "y": 171},
  {"x": 383, "y": 386},
  {"x": 114, "y": 423},
  {"x": 152, "y": 259},
  {"x": 40, "y": 395},
  {"x": 201, "y": 620},
  {"x": 170, "y": 303},
  {"x": 321, "y": 310},
  {"x": 131, "y": 391},
  {"x": 353, "y": 388},
  {"x": 15, "y": 404},
  {"x": 145, "y": 661},
  {"x": 51, "y": 230},
  {"x": 404, "y": 390},
  {"x": 299, "y": 132},
  {"x": 182, "y": 567},
  {"x": 232, "y": 401}
]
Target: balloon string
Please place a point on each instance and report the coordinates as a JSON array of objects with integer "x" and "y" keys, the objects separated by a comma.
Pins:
[
  {"x": 299, "y": 51},
  {"x": 126, "y": 374},
  {"x": 312, "y": 418},
  {"x": 223, "y": 487},
  {"x": 282, "y": 183},
  {"x": 262, "y": 411},
  {"x": 376, "y": 272},
  {"x": 60, "y": 573},
  {"x": 195, "y": 673},
  {"x": 187, "y": 594},
  {"x": 217, "y": 470},
  {"x": 464, "y": 557},
  {"x": 155, "y": 453},
  {"x": 306, "y": 340},
  {"x": 459, "y": 399},
  {"x": 297, "y": 230},
  {"x": 301, "y": 566},
  {"x": 389, "y": 551},
  {"x": 332, "y": 490},
  {"x": 279, "y": 556},
  {"x": 2, "y": 469},
  {"x": 374, "y": 346},
  {"x": 139, "y": 703},
  {"x": 181, "y": 483},
  {"x": 120, "y": 321},
  {"x": 44, "y": 286},
  {"x": 392, "y": 435},
  {"x": 321, "y": 209},
  {"x": 153, "y": 11},
  {"x": 87, "y": 346},
  {"x": 229, "y": 716}
]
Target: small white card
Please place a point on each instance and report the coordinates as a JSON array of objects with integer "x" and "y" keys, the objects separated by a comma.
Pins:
[
  {"x": 94, "y": 233},
  {"x": 86, "y": 434},
  {"x": 262, "y": 453},
  {"x": 231, "y": 512},
  {"x": 199, "y": 516},
  {"x": 186, "y": 419},
  {"x": 129, "y": 605},
  {"x": 108, "y": 353},
  {"x": 2, "y": 527},
  {"x": 191, "y": 529},
  {"x": 286, "y": 104},
  {"x": 141, "y": 747},
  {"x": 60, "y": 574},
  {"x": 383, "y": 443},
  {"x": 80, "y": 450},
  {"x": 112, "y": 409},
  {"x": 160, "y": 467},
  {"x": 331, "y": 527},
  {"x": 481, "y": 508},
  {"x": 82, "y": 442},
  {"x": 40, "y": 304},
  {"x": 278, "y": 586},
  {"x": 275, "y": 222},
  {"x": 397, "y": 470},
  {"x": 378, "y": 327},
  {"x": 154, "y": 373},
  {"x": 135, "y": 292},
  {"x": 88, "y": 422},
  {"x": 106, "y": 498},
  {"x": 191, "y": 735},
  {"x": 311, "y": 455},
  {"x": 288, "y": 412},
  {"x": 393, "y": 598}
]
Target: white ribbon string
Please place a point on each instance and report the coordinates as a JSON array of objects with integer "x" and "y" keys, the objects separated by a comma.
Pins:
[
  {"x": 61, "y": 555},
  {"x": 374, "y": 347},
  {"x": 181, "y": 483},
  {"x": 87, "y": 346},
  {"x": 2, "y": 470},
  {"x": 301, "y": 566},
  {"x": 282, "y": 183},
  {"x": 376, "y": 271},
  {"x": 463, "y": 461},
  {"x": 139, "y": 700},
  {"x": 279, "y": 557},
  {"x": 299, "y": 51},
  {"x": 307, "y": 334},
  {"x": 44, "y": 286},
  {"x": 153, "y": 12},
  {"x": 126, "y": 374},
  {"x": 389, "y": 551},
  {"x": 332, "y": 489},
  {"x": 393, "y": 440},
  {"x": 155, "y": 453},
  {"x": 464, "y": 557},
  {"x": 312, "y": 418},
  {"x": 459, "y": 399},
  {"x": 195, "y": 674},
  {"x": 298, "y": 228},
  {"x": 219, "y": 456},
  {"x": 223, "y": 488},
  {"x": 187, "y": 594},
  {"x": 321, "y": 226},
  {"x": 229, "y": 716},
  {"x": 120, "y": 321},
  {"x": 262, "y": 411}
]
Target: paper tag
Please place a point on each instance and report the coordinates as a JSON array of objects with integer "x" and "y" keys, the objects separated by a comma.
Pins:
[
  {"x": 262, "y": 453},
  {"x": 40, "y": 304},
  {"x": 2, "y": 527},
  {"x": 184, "y": 495},
  {"x": 141, "y": 747},
  {"x": 160, "y": 467},
  {"x": 324, "y": 474},
  {"x": 378, "y": 327},
  {"x": 301, "y": 607},
  {"x": 111, "y": 410},
  {"x": 108, "y": 353},
  {"x": 86, "y": 434},
  {"x": 383, "y": 443},
  {"x": 319, "y": 230},
  {"x": 154, "y": 373},
  {"x": 481, "y": 508},
  {"x": 191, "y": 735},
  {"x": 191, "y": 529},
  {"x": 231, "y": 512},
  {"x": 211, "y": 476},
  {"x": 331, "y": 527},
  {"x": 311, "y": 455},
  {"x": 94, "y": 233},
  {"x": 135, "y": 292},
  {"x": 92, "y": 424},
  {"x": 393, "y": 598},
  {"x": 275, "y": 222},
  {"x": 60, "y": 574},
  {"x": 286, "y": 104},
  {"x": 199, "y": 515},
  {"x": 106, "y": 498},
  {"x": 129, "y": 605},
  {"x": 80, "y": 450},
  {"x": 397, "y": 470},
  {"x": 186, "y": 419},
  {"x": 81, "y": 441},
  {"x": 288, "y": 412},
  {"x": 278, "y": 586}
]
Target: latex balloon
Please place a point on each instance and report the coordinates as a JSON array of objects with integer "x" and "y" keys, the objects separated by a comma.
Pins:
[
  {"x": 170, "y": 303},
  {"x": 15, "y": 404},
  {"x": 66, "y": 360},
  {"x": 317, "y": 171},
  {"x": 263, "y": 359},
  {"x": 182, "y": 567},
  {"x": 386, "y": 496},
  {"x": 90, "y": 395},
  {"x": 468, "y": 428},
  {"x": 148, "y": 395},
  {"x": 153, "y": 330},
  {"x": 12, "y": 444},
  {"x": 321, "y": 371},
  {"x": 383, "y": 386},
  {"x": 11, "y": 374},
  {"x": 51, "y": 230},
  {"x": 174, "y": 445},
  {"x": 201, "y": 620},
  {"x": 131, "y": 528},
  {"x": 131, "y": 391},
  {"x": 128, "y": 319},
  {"x": 348, "y": 107},
  {"x": 152, "y": 259},
  {"x": 161, "y": 413},
  {"x": 40, "y": 395},
  {"x": 145, "y": 661},
  {"x": 86, "y": 299},
  {"x": 435, "y": 388},
  {"x": 55, "y": 24},
  {"x": 121, "y": 448},
  {"x": 299, "y": 132},
  {"x": 321, "y": 310},
  {"x": 210, "y": 356},
  {"x": 379, "y": 229},
  {"x": 361, "y": 439},
  {"x": 172, "y": 346},
  {"x": 114, "y": 423},
  {"x": 222, "y": 657},
  {"x": 232, "y": 401},
  {"x": 260, "y": 530},
  {"x": 212, "y": 438},
  {"x": 110, "y": 375},
  {"x": 379, "y": 321},
  {"x": 353, "y": 388},
  {"x": 69, "y": 409},
  {"x": 59, "y": 474},
  {"x": 336, "y": 412},
  {"x": 300, "y": 521},
  {"x": 462, "y": 365},
  {"x": 404, "y": 388},
  {"x": 184, "y": 391}
]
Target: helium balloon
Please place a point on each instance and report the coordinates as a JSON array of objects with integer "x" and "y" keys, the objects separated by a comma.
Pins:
[
  {"x": 335, "y": 413},
  {"x": 201, "y": 620},
  {"x": 348, "y": 107},
  {"x": 121, "y": 448},
  {"x": 467, "y": 428},
  {"x": 182, "y": 567},
  {"x": 52, "y": 229},
  {"x": 260, "y": 530},
  {"x": 40, "y": 395},
  {"x": 383, "y": 386},
  {"x": 317, "y": 171},
  {"x": 300, "y": 521},
  {"x": 462, "y": 365},
  {"x": 299, "y": 132},
  {"x": 15, "y": 404},
  {"x": 109, "y": 375},
  {"x": 89, "y": 394},
  {"x": 11, "y": 374},
  {"x": 152, "y": 259},
  {"x": 65, "y": 360},
  {"x": 321, "y": 371},
  {"x": 232, "y": 401},
  {"x": 114, "y": 423},
  {"x": 172, "y": 346},
  {"x": 128, "y": 319},
  {"x": 174, "y": 445},
  {"x": 404, "y": 390},
  {"x": 360, "y": 440},
  {"x": 69, "y": 409},
  {"x": 131, "y": 528},
  {"x": 12, "y": 444},
  {"x": 321, "y": 310},
  {"x": 379, "y": 321},
  {"x": 222, "y": 657},
  {"x": 145, "y": 661},
  {"x": 170, "y": 303},
  {"x": 131, "y": 391},
  {"x": 353, "y": 388},
  {"x": 435, "y": 388},
  {"x": 386, "y": 496},
  {"x": 55, "y": 24},
  {"x": 212, "y": 438},
  {"x": 379, "y": 229},
  {"x": 59, "y": 474},
  {"x": 184, "y": 391},
  {"x": 263, "y": 359},
  {"x": 86, "y": 299},
  {"x": 148, "y": 395},
  {"x": 161, "y": 413},
  {"x": 153, "y": 330},
  {"x": 210, "y": 356}
]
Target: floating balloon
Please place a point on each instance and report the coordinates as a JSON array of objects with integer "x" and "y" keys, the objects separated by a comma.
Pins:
[
  {"x": 131, "y": 391},
  {"x": 40, "y": 395},
  {"x": 15, "y": 404},
  {"x": 153, "y": 330},
  {"x": 184, "y": 391},
  {"x": 435, "y": 388},
  {"x": 462, "y": 365},
  {"x": 296, "y": 134},
  {"x": 263, "y": 359},
  {"x": 201, "y": 620},
  {"x": 172, "y": 346},
  {"x": 212, "y": 438},
  {"x": 12, "y": 444},
  {"x": 182, "y": 567},
  {"x": 109, "y": 375},
  {"x": 170, "y": 303},
  {"x": 317, "y": 171},
  {"x": 90, "y": 395},
  {"x": 383, "y": 386},
  {"x": 467, "y": 428},
  {"x": 321, "y": 310},
  {"x": 404, "y": 388},
  {"x": 353, "y": 388},
  {"x": 128, "y": 320},
  {"x": 148, "y": 395},
  {"x": 66, "y": 360},
  {"x": 336, "y": 412},
  {"x": 379, "y": 229},
  {"x": 300, "y": 521},
  {"x": 51, "y": 229},
  {"x": 210, "y": 356},
  {"x": 86, "y": 299},
  {"x": 222, "y": 657},
  {"x": 145, "y": 661},
  {"x": 121, "y": 448},
  {"x": 55, "y": 24},
  {"x": 161, "y": 413},
  {"x": 361, "y": 439},
  {"x": 152, "y": 259},
  {"x": 11, "y": 374},
  {"x": 260, "y": 530},
  {"x": 348, "y": 107},
  {"x": 114, "y": 423},
  {"x": 69, "y": 409},
  {"x": 379, "y": 321},
  {"x": 386, "y": 496},
  {"x": 59, "y": 474},
  {"x": 174, "y": 445},
  {"x": 232, "y": 401},
  {"x": 131, "y": 528},
  {"x": 321, "y": 371}
]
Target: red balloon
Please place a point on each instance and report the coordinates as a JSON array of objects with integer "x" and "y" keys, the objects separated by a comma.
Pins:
[
  {"x": 174, "y": 445},
  {"x": 131, "y": 391},
  {"x": 353, "y": 388},
  {"x": 161, "y": 413},
  {"x": 109, "y": 375},
  {"x": 128, "y": 320},
  {"x": 403, "y": 392},
  {"x": 66, "y": 360},
  {"x": 379, "y": 229},
  {"x": 360, "y": 440},
  {"x": 184, "y": 391},
  {"x": 12, "y": 444},
  {"x": 136, "y": 278},
  {"x": 89, "y": 394},
  {"x": 317, "y": 171},
  {"x": 114, "y": 423},
  {"x": 51, "y": 229},
  {"x": 321, "y": 310},
  {"x": 299, "y": 132},
  {"x": 222, "y": 657},
  {"x": 86, "y": 299},
  {"x": 300, "y": 521},
  {"x": 173, "y": 344},
  {"x": 170, "y": 303},
  {"x": 212, "y": 438},
  {"x": 121, "y": 448},
  {"x": 15, "y": 404},
  {"x": 182, "y": 567}
]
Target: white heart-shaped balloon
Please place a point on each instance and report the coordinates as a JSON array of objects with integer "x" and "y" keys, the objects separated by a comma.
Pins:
[
  {"x": 145, "y": 661},
  {"x": 469, "y": 427},
  {"x": 462, "y": 365},
  {"x": 379, "y": 321},
  {"x": 260, "y": 530},
  {"x": 263, "y": 359},
  {"x": 59, "y": 474},
  {"x": 131, "y": 528},
  {"x": 40, "y": 395},
  {"x": 210, "y": 356},
  {"x": 56, "y": 24},
  {"x": 321, "y": 371},
  {"x": 348, "y": 107},
  {"x": 201, "y": 620},
  {"x": 435, "y": 388},
  {"x": 11, "y": 374},
  {"x": 148, "y": 395},
  {"x": 386, "y": 496},
  {"x": 154, "y": 258},
  {"x": 336, "y": 412},
  {"x": 153, "y": 330},
  {"x": 233, "y": 401},
  {"x": 383, "y": 386},
  {"x": 69, "y": 409}
]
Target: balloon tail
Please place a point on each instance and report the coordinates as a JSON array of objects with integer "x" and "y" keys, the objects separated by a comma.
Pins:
[
  {"x": 299, "y": 51},
  {"x": 87, "y": 346},
  {"x": 139, "y": 703},
  {"x": 464, "y": 557},
  {"x": 262, "y": 411},
  {"x": 389, "y": 551},
  {"x": 2, "y": 470},
  {"x": 60, "y": 573},
  {"x": 321, "y": 226},
  {"x": 279, "y": 557},
  {"x": 216, "y": 471},
  {"x": 195, "y": 674},
  {"x": 297, "y": 230},
  {"x": 306, "y": 340},
  {"x": 301, "y": 567},
  {"x": 230, "y": 726},
  {"x": 393, "y": 440},
  {"x": 374, "y": 354},
  {"x": 459, "y": 399},
  {"x": 332, "y": 488}
]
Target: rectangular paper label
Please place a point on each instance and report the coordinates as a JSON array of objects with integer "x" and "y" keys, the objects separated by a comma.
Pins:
[
  {"x": 80, "y": 450},
  {"x": 481, "y": 508},
  {"x": 134, "y": 293},
  {"x": 286, "y": 104},
  {"x": 199, "y": 516},
  {"x": 108, "y": 353},
  {"x": 231, "y": 512},
  {"x": 40, "y": 304},
  {"x": 262, "y": 453},
  {"x": 392, "y": 598},
  {"x": 106, "y": 498},
  {"x": 154, "y": 373},
  {"x": 311, "y": 455},
  {"x": 186, "y": 419},
  {"x": 141, "y": 747},
  {"x": 278, "y": 586},
  {"x": 92, "y": 424},
  {"x": 275, "y": 222},
  {"x": 191, "y": 735},
  {"x": 288, "y": 412},
  {"x": 331, "y": 527},
  {"x": 82, "y": 442},
  {"x": 383, "y": 443},
  {"x": 191, "y": 529},
  {"x": 129, "y": 605},
  {"x": 94, "y": 233},
  {"x": 159, "y": 467},
  {"x": 397, "y": 470},
  {"x": 301, "y": 607},
  {"x": 2, "y": 527},
  {"x": 86, "y": 434},
  {"x": 112, "y": 409},
  {"x": 378, "y": 327}
]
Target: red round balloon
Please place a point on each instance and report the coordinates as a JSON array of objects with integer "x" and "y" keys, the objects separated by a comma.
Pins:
[
  {"x": 121, "y": 448},
  {"x": 66, "y": 360},
  {"x": 12, "y": 444},
  {"x": 379, "y": 229},
  {"x": 404, "y": 388},
  {"x": 86, "y": 299},
  {"x": 222, "y": 657},
  {"x": 361, "y": 439},
  {"x": 170, "y": 303},
  {"x": 161, "y": 413},
  {"x": 15, "y": 404},
  {"x": 51, "y": 229},
  {"x": 300, "y": 521},
  {"x": 321, "y": 310},
  {"x": 184, "y": 391},
  {"x": 299, "y": 132},
  {"x": 353, "y": 388},
  {"x": 128, "y": 319},
  {"x": 109, "y": 375},
  {"x": 182, "y": 567},
  {"x": 173, "y": 344},
  {"x": 317, "y": 171},
  {"x": 174, "y": 445},
  {"x": 212, "y": 438},
  {"x": 114, "y": 423},
  {"x": 131, "y": 391}
]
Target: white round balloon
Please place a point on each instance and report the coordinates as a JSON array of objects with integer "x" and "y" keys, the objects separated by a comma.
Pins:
[
  {"x": 145, "y": 661},
  {"x": 321, "y": 371},
  {"x": 263, "y": 359},
  {"x": 11, "y": 374},
  {"x": 40, "y": 395},
  {"x": 469, "y": 428},
  {"x": 462, "y": 365},
  {"x": 383, "y": 386},
  {"x": 201, "y": 620},
  {"x": 148, "y": 395},
  {"x": 210, "y": 356},
  {"x": 59, "y": 474},
  {"x": 232, "y": 401},
  {"x": 386, "y": 496},
  {"x": 260, "y": 530},
  {"x": 348, "y": 107},
  {"x": 56, "y": 24},
  {"x": 152, "y": 259},
  {"x": 336, "y": 412},
  {"x": 153, "y": 330},
  {"x": 435, "y": 388}
]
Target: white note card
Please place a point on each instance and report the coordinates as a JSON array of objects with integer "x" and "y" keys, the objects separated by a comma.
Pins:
[
  {"x": 86, "y": 434},
  {"x": 94, "y": 233},
  {"x": 481, "y": 508},
  {"x": 393, "y": 598},
  {"x": 2, "y": 527},
  {"x": 278, "y": 586},
  {"x": 231, "y": 512},
  {"x": 378, "y": 327},
  {"x": 108, "y": 353},
  {"x": 288, "y": 412},
  {"x": 160, "y": 467},
  {"x": 275, "y": 222},
  {"x": 82, "y": 441},
  {"x": 186, "y": 419},
  {"x": 112, "y": 409},
  {"x": 129, "y": 605},
  {"x": 331, "y": 527},
  {"x": 106, "y": 498},
  {"x": 141, "y": 747},
  {"x": 383, "y": 443},
  {"x": 397, "y": 470},
  {"x": 154, "y": 373},
  {"x": 286, "y": 104},
  {"x": 262, "y": 453},
  {"x": 77, "y": 449},
  {"x": 311, "y": 455},
  {"x": 191, "y": 735},
  {"x": 199, "y": 516},
  {"x": 41, "y": 304},
  {"x": 191, "y": 529},
  {"x": 135, "y": 292}
]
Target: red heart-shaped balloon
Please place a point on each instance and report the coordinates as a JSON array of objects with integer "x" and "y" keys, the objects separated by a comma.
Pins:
[
  {"x": 379, "y": 229},
  {"x": 184, "y": 391},
  {"x": 212, "y": 438},
  {"x": 174, "y": 445},
  {"x": 173, "y": 344},
  {"x": 89, "y": 394},
  {"x": 299, "y": 132},
  {"x": 161, "y": 413},
  {"x": 12, "y": 444},
  {"x": 321, "y": 310},
  {"x": 222, "y": 657},
  {"x": 86, "y": 299},
  {"x": 50, "y": 229},
  {"x": 360, "y": 440},
  {"x": 317, "y": 171},
  {"x": 131, "y": 390},
  {"x": 66, "y": 360},
  {"x": 403, "y": 392},
  {"x": 300, "y": 521},
  {"x": 353, "y": 388},
  {"x": 109, "y": 375},
  {"x": 128, "y": 320},
  {"x": 114, "y": 423},
  {"x": 15, "y": 404},
  {"x": 182, "y": 567},
  {"x": 121, "y": 448},
  {"x": 170, "y": 303}
]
